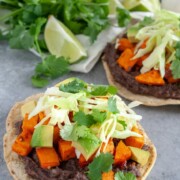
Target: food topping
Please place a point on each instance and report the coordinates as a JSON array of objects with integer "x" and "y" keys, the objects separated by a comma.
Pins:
[
  {"x": 80, "y": 121},
  {"x": 150, "y": 46}
]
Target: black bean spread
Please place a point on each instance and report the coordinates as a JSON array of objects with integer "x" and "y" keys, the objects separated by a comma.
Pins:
[{"x": 127, "y": 79}]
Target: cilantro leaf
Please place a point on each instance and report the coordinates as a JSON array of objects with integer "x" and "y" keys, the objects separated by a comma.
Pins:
[
  {"x": 112, "y": 107},
  {"x": 78, "y": 133},
  {"x": 175, "y": 66},
  {"x": 103, "y": 90},
  {"x": 102, "y": 163},
  {"x": 123, "y": 16},
  {"x": 98, "y": 115},
  {"x": 83, "y": 119},
  {"x": 20, "y": 38},
  {"x": 50, "y": 68},
  {"x": 124, "y": 176},
  {"x": 112, "y": 90},
  {"x": 74, "y": 86},
  {"x": 39, "y": 82}
]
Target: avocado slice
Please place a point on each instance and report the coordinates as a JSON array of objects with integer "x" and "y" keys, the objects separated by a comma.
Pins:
[
  {"x": 139, "y": 155},
  {"x": 27, "y": 107},
  {"x": 86, "y": 146},
  {"x": 43, "y": 136}
]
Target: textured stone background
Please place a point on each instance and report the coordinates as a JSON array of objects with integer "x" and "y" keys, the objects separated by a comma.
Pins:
[{"x": 161, "y": 123}]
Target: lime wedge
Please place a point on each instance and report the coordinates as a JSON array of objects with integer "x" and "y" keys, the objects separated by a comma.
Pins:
[
  {"x": 62, "y": 42},
  {"x": 142, "y": 5}
]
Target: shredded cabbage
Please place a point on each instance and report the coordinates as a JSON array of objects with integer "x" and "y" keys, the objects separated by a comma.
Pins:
[
  {"x": 161, "y": 36},
  {"x": 57, "y": 105}
]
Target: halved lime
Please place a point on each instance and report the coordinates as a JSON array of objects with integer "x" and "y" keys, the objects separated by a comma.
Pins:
[{"x": 62, "y": 42}]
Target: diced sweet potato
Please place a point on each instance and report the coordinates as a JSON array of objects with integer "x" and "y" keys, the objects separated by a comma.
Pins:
[
  {"x": 124, "y": 43},
  {"x": 152, "y": 77},
  {"x": 108, "y": 175},
  {"x": 122, "y": 153},
  {"x": 28, "y": 124},
  {"x": 48, "y": 157},
  {"x": 66, "y": 150},
  {"x": 135, "y": 141},
  {"x": 125, "y": 60},
  {"x": 22, "y": 144}
]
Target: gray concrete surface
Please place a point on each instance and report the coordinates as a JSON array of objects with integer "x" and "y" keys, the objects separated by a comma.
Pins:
[{"x": 161, "y": 123}]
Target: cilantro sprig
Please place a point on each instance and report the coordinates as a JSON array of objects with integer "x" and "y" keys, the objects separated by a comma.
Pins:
[
  {"x": 175, "y": 66},
  {"x": 83, "y": 119},
  {"x": 50, "y": 68},
  {"x": 78, "y": 85},
  {"x": 124, "y": 176},
  {"x": 89, "y": 119},
  {"x": 100, "y": 164}
]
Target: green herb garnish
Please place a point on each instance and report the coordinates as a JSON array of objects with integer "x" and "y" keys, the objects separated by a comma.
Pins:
[
  {"x": 124, "y": 176},
  {"x": 175, "y": 66},
  {"x": 102, "y": 163}
]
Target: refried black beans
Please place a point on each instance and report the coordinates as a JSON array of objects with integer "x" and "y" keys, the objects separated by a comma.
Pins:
[
  {"x": 128, "y": 81},
  {"x": 69, "y": 169}
]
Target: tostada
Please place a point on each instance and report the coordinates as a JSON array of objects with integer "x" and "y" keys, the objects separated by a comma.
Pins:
[
  {"x": 144, "y": 63},
  {"x": 76, "y": 130}
]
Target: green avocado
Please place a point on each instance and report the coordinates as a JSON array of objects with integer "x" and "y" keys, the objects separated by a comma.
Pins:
[
  {"x": 139, "y": 155},
  {"x": 86, "y": 146},
  {"x": 43, "y": 136}
]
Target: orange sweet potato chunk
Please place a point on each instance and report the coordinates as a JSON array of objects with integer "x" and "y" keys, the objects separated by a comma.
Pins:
[
  {"x": 66, "y": 150},
  {"x": 152, "y": 77},
  {"x": 122, "y": 154},
  {"x": 135, "y": 141},
  {"x": 124, "y": 43},
  {"x": 108, "y": 175},
  {"x": 125, "y": 61}
]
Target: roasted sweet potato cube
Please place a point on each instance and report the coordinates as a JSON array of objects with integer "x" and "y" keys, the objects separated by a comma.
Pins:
[
  {"x": 122, "y": 154},
  {"x": 48, "y": 157},
  {"x": 66, "y": 150}
]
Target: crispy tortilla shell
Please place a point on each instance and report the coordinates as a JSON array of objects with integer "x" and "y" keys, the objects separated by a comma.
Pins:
[
  {"x": 16, "y": 164},
  {"x": 145, "y": 99}
]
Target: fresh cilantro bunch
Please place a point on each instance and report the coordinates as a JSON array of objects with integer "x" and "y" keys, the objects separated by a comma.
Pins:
[
  {"x": 26, "y": 19},
  {"x": 86, "y": 16}
]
